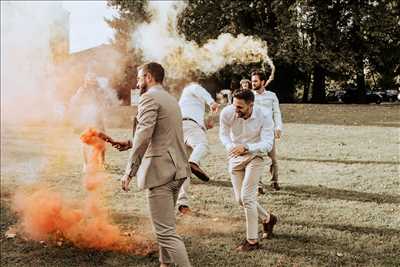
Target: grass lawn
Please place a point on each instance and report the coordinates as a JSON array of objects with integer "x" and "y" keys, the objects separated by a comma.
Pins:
[{"x": 339, "y": 203}]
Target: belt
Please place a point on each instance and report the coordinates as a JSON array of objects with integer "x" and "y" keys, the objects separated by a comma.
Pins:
[{"x": 190, "y": 119}]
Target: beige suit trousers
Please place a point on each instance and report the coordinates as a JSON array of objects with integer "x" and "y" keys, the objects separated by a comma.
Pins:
[
  {"x": 245, "y": 174},
  {"x": 162, "y": 200}
]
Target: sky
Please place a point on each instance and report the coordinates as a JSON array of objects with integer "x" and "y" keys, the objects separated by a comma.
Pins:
[{"x": 87, "y": 26}]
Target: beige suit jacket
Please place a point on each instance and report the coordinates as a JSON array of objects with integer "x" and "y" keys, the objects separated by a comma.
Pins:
[{"x": 158, "y": 153}]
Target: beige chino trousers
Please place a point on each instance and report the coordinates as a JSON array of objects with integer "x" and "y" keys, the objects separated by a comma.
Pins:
[{"x": 245, "y": 174}]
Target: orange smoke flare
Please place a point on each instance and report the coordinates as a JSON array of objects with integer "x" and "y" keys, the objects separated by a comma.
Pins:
[
  {"x": 45, "y": 215},
  {"x": 91, "y": 137}
]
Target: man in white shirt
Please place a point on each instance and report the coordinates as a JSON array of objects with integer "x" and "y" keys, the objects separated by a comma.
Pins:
[
  {"x": 192, "y": 103},
  {"x": 270, "y": 102},
  {"x": 246, "y": 131}
]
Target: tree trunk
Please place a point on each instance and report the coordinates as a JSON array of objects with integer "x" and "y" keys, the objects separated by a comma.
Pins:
[
  {"x": 361, "y": 81},
  {"x": 306, "y": 90},
  {"x": 318, "y": 87}
]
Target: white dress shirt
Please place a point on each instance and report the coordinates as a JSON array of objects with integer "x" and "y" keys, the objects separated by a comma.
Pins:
[
  {"x": 269, "y": 101},
  {"x": 256, "y": 132},
  {"x": 192, "y": 102}
]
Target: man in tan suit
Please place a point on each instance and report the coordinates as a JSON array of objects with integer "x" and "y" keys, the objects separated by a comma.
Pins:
[{"x": 158, "y": 160}]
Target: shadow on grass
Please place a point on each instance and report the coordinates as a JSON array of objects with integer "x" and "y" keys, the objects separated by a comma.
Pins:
[
  {"x": 333, "y": 193},
  {"x": 321, "y": 192},
  {"x": 315, "y": 243},
  {"x": 22, "y": 253},
  {"x": 342, "y": 161},
  {"x": 349, "y": 228},
  {"x": 294, "y": 249},
  {"x": 212, "y": 183},
  {"x": 292, "y": 245}
]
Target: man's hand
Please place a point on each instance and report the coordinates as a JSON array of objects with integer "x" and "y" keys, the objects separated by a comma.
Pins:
[
  {"x": 209, "y": 122},
  {"x": 278, "y": 133},
  {"x": 123, "y": 145},
  {"x": 214, "y": 107},
  {"x": 238, "y": 151},
  {"x": 125, "y": 180}
]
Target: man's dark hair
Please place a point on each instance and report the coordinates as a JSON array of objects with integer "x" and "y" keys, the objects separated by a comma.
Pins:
[
  {"x": 155, "y": 69},
  {"x": 244, "y": 94},
  {"x": 260, "y": 75}
]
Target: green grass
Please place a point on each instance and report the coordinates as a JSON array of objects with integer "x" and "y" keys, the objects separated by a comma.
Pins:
[{"x": 339, "y": 204}]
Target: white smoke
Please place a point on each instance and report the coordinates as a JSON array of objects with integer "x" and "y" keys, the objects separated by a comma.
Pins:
[
  {"x": 27, "y": 90},
  {"x": 160, "y": 41}
]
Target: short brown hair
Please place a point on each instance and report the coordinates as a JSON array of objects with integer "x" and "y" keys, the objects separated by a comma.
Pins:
[
  {"x": 155, "y": 69},
  {"x": 244, "y": 94},
  {"x": 260, "y": 74}
]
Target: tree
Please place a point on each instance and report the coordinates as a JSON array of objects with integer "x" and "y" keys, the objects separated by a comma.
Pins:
[
  {"x": 382, "y": 33},
  {"x": 131, "y": 15},
  {"x": 309, "y": 40},
  {"x": 369, "y": 37},
  {"x": 203, "y": 20}
]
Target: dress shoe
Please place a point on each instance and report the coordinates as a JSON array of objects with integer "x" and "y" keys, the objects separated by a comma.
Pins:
[
  {"x": 184, "y": 210},
  {"x": 269, "y": 226},
  {"x": 246, "y": 246},
  {"x": 198, "y": 172}
]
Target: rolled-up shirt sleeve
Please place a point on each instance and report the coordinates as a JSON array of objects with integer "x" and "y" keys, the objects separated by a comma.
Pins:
[
  {"x": 224, "y": 130},
  {"x": 266, "y": 137}
]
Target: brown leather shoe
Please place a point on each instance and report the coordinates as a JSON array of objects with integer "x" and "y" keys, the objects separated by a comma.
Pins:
[
  {"x": 246, "y": 246},
  {"x": 184, "y": 210},
  {"x": 269, "y": 227},
  {"x": 198, "y": 172}
]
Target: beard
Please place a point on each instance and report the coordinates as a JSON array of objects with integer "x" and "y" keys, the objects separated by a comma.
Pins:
[
  {"x": 143, "y": 88},
  {"x": 240, "y": 114},
  {"x": 257, "y": 88}
]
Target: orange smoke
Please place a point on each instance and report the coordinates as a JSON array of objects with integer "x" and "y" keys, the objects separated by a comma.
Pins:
[
  {"x": 91, "y": 137},
  {"x": 46, "y": 215}
]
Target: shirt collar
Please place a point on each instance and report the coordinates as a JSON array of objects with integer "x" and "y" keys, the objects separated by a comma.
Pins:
[
  {"x": 252, "y": 116},
  {"x": 156, "y": 87},
  {"x": 263, "y": 93}
]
